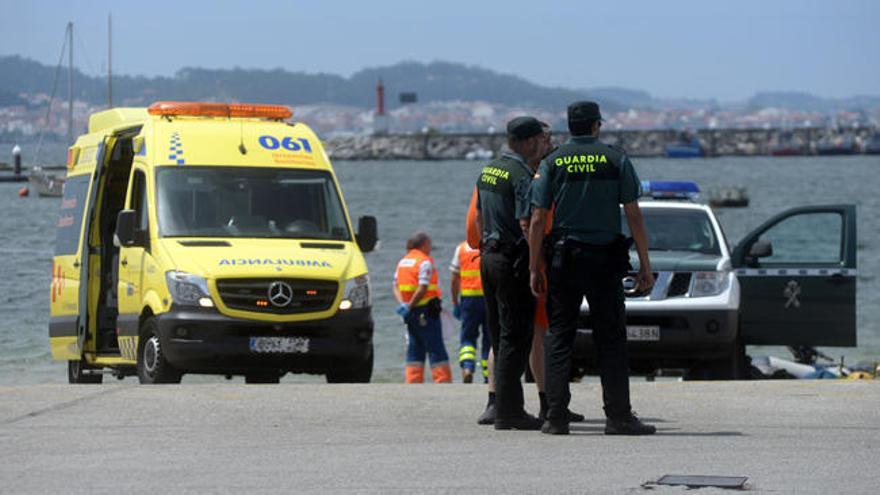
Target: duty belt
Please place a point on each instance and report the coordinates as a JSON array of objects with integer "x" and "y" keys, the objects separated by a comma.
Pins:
[{"x": 496, "y": 246}]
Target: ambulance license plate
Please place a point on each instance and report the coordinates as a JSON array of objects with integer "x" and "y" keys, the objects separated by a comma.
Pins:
[
  {"x": 281, "y": 345},
  {"x": 642, "y": 333}
]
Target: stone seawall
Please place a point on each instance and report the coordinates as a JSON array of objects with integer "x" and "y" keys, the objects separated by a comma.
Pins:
[{"x": 715, "y": 142}]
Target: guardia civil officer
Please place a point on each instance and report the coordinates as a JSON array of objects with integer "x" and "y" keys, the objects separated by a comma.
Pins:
[
  {"x": 586, "y": 181},
  {"x": 502, "y": 201}
]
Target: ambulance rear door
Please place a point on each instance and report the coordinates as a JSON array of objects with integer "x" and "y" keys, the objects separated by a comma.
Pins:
[{"x": 70, "y": 266}]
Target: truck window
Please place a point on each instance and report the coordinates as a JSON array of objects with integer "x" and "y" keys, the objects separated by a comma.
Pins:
[
  {"x": 70, "y": 215},
  {"x": 673, "y": 229},
  {"x": 208, "y": 201},
  {"x": 806, "y": 238}
]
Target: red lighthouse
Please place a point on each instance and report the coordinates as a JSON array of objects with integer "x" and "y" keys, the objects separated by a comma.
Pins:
[{"x": 380, "y": 98}]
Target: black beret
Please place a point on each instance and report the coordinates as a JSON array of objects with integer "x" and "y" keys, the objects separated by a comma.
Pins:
[
  {"x": 523, "y": 128},
  {"x": 581, "y": 111}
]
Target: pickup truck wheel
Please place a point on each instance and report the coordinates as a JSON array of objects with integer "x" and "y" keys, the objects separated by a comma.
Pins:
[
  {"x": 361, "y": 373},
  {"x": 733, "y": 367},
  {"x": 76, "y": 373},
  {"x": 151, "y": 364},
  {"x": 260, "y": 378}
]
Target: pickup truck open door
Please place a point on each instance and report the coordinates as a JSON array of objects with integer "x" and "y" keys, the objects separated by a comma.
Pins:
[{"x": 797, "y": 273}]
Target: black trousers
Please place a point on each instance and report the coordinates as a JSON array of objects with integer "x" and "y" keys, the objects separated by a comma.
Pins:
[
  {"x": 510, "y": 311},
  {"x": 587, "y": 272}
]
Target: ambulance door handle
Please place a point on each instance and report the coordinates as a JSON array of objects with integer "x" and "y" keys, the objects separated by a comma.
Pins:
[
  {"x": 76, "y": 264},
  {"x": 124, "y": 262}
]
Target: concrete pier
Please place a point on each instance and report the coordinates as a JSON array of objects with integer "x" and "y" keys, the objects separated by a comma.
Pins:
[
  {"x": 785, "y": 436},
  {"x": 641, "y": 143}
]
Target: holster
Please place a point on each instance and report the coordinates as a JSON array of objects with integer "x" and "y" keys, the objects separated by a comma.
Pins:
[
  {"x": 620, "y": 253},
  {"x": 520, "y": 254},
  {"x": 556, "y": 252}
]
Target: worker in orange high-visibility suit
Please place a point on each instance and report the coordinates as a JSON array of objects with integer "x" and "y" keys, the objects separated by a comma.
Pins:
[
  {"x": 418, "y": 296},
  {"x": 469, "y": 307}
]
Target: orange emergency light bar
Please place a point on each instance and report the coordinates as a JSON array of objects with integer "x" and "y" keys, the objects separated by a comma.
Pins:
[
  {"x": 72, "y": 156},
  {"x": 176, "y": 108}
]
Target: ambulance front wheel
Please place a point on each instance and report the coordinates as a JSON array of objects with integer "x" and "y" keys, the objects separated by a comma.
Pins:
[
  {"x": 151, "y": 364},
  {"x": 77, "y": 373},
  {"x": 360, "y": 373}
]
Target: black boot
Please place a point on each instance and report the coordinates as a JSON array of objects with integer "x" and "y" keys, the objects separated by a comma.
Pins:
[
  {"x": 488, "y": 416},
  {"x": 542, "y": 399},
  {"x": 574, "y": 417},
  {"x": 628, "y": 425},
  {"x": 525, "y": 421},
  {"x": 552, "y": 428}
]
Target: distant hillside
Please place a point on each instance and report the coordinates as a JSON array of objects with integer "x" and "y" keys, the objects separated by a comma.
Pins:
[
  {"x": 437, "y": 81},
  {"x": 794, "y": 100},
  {"x": 8, "y": 99}
]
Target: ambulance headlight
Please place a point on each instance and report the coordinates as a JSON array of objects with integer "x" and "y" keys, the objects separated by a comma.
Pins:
[
  {"x": 709, "y": 283},
  {"x": 356, "y": 293},
  {"x": 188, "y": 290}
]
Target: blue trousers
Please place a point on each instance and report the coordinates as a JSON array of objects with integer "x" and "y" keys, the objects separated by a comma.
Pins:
[
  {"x": 473, "y": 319},
  {"x": 424, "y": 337}
]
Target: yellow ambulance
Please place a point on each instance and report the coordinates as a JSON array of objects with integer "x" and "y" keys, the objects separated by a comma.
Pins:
[{"x": 207, "y": 238}]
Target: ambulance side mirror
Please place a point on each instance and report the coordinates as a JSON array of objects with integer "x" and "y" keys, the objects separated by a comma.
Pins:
[
  {"x": 367, "y": 234},
  {"x": 126, "y": 228}
]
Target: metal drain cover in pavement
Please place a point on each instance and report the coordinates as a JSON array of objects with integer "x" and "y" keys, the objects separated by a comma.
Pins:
[{"x": 698, "y": 481}]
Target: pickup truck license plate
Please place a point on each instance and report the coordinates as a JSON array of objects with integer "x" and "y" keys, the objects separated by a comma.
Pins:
[
  {"x": 643, "y": 333},
  {"x": 284, "y": 345}
]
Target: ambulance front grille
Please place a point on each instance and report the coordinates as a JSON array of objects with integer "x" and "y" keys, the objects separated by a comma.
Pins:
[{"x": 292, "y": 296}]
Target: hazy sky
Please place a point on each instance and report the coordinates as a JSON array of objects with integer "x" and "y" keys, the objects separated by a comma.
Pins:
[{"x": 699, "y": 48}]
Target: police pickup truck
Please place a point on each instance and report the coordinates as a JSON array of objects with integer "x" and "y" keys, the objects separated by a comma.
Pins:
[{"x": 791, "y": 281}]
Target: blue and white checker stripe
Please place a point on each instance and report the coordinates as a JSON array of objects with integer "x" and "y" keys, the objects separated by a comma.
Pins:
[{"x": 175, "y": 149}]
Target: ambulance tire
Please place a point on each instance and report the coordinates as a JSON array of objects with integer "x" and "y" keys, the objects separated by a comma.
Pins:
[
  {"x": 361, "y": 373},
  {"x": 76, "y": 374},
  {"x": 152, "y": 368}
]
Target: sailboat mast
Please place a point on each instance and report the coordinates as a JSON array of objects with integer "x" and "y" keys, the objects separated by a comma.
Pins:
[
  {"x": 110, "y": 60},
  {"x": 70, "y": 83}
]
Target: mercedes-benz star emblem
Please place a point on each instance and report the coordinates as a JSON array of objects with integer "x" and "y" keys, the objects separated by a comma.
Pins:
[
  {"x": 280, "y": 294},
  {"x": 630, "y": 284}
]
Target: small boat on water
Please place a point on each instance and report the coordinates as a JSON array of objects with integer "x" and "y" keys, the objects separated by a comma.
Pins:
[
  {"x": 872, "y": 147},
  {"x": 841, "y": 144},
  {"x": 46, "y": 184},
  {"x": 787, "y": 145},
  {"x": 479, "y": 154},
  {"x": 687, "y": 147},
  {"x": 729, "y": 197}
]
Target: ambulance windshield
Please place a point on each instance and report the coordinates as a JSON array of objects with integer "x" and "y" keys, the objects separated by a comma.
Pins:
[{"x": 249, "y": 202}]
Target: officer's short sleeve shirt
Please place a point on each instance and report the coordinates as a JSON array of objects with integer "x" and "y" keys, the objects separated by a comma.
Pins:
[
  {"x": 585, "y": 181},
  {"x": 630, "y": 186},
  {"x": 503, "y": 187},
  {"x": 540, "y": 194}
]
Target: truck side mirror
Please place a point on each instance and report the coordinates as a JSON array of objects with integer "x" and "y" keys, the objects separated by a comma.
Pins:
[
  {"x": 760, "y": 249},
  {"x": 367, "y": 234},
  {"x": 126, "y": 228}
]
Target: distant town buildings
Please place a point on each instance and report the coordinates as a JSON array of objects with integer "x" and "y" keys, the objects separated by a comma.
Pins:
[{"x": 330, "y": 120}]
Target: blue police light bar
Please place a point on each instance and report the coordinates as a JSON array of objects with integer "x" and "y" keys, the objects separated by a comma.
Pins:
[{"x": 670, "y": 189}]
